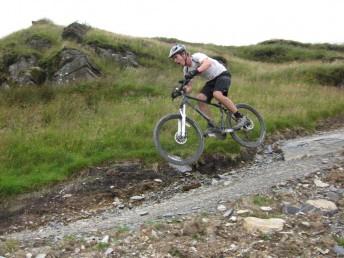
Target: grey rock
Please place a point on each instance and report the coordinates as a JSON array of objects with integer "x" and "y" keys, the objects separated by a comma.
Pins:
[
  {"x": 289, "y": 209},
  {"x": 137, "y": 198},
  {"x": 221, "y": 208},
  {"x": 332, "y": 196},
  {"x": 320, "y": 183},
  {"x": 108, "y": 251},
  {"x": 75, "y": 31},
  {"x": 143, "y": 213},
  {"x": 73, "y": 65},
  {"x": 41, "y": 256},
  {"x": 228, "y": 213},
  {"x": 39, "y": 42},
  {"x": 339, "y": 250},
  {"x": 266, "y": 226},
  {"x": 121, "y": 55},
  {"x": 307, "y": 208},
  {"x": 324, "y": 205},
  {"x": 105, "y": 239},
  {"x": 26, "y": 72},
  {"x": 181, "y": 169}
]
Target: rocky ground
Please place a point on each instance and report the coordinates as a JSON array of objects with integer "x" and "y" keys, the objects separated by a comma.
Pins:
[{"x": 287, "y": 202}]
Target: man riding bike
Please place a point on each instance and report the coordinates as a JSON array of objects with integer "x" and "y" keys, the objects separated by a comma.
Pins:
[{"x": 217, "y": 76}]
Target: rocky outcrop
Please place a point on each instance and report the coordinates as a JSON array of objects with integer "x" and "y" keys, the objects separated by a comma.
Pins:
[
  {"x": 71, "y": 65},
  {"x": 75, "y": 31},
  {"x": 121, "y": 55},
  {"x": 38, "y": 42},
  {"x": 25, "y": 71}
]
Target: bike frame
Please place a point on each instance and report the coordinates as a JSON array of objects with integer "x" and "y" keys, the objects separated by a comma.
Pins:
[{"x": 182, "y": 110}]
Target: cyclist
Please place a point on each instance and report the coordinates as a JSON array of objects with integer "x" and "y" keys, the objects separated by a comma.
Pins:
[{"x": 217, "y": 76}]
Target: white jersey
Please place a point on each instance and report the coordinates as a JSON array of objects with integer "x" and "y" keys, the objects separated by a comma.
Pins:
[{"x": 215, "y": 69}]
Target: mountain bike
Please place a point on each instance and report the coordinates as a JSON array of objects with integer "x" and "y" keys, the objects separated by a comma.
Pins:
[{"x": 180, "y": 140}]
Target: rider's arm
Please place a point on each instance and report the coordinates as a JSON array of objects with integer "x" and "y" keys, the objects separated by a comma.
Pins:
[{"x": 205, "y": 64}]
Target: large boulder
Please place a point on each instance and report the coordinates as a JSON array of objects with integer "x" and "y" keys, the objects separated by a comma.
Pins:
[
  {"x": 25, "y": 71},
  {"x": 71, "y": 65},
  {"x": 75, "y": 31}
]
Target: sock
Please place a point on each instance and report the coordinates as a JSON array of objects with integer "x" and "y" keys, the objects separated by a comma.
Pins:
[{"x": 238, "y": 114}]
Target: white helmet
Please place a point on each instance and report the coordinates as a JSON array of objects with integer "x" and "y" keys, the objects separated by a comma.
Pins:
[{"x": 177, "y": 48}]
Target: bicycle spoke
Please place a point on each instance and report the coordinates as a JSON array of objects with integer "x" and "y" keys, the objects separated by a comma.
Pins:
[
  {"x": 175, "y": 147},
  {"x": 253, "y": 134}
]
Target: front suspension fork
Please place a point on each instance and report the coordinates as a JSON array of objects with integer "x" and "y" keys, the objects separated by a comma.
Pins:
[{"x": 182, "y": 122}]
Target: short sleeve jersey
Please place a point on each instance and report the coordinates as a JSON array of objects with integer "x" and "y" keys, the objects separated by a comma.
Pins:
[{"x": 215, "y": 69}]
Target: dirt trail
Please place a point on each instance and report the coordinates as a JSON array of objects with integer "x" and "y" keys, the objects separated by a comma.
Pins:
[{"x": 303, "y": 156}]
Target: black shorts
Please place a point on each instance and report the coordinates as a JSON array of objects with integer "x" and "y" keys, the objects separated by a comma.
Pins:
[{"x": 219, "y": 83}]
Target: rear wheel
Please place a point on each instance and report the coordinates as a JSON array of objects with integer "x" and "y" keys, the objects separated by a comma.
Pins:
[
  {"x": 253, "y": 134},
  {"x": 172, "y": 146}
]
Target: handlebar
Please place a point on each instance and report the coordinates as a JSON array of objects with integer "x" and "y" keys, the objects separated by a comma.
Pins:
[{"x": 180, "y": 90}]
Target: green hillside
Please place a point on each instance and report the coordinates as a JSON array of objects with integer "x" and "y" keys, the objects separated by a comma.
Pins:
[{"x": 48, "y": 130}]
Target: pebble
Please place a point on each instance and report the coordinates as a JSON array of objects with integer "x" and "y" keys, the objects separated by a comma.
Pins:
[
  {"x": 266, "y": 208},
  {"x": 324, "y": 161},
  {"x": 41, "y": 256},
  {"x": 108, "y": 251},
  {"x": 320, "y": 184},
  {"x": 289, "y": 209},
  {"x": 228, "y": 213},
  {"x": 105, "y": 239},
  {"x": 326, "y": 251},
  {"x": 233, "y": 219},
  {"x": 241, "y": 212},
  {"x": 227, "y": 183},
  {"x": 221, "y": 208},
  {"x": 158, "y": 180},
  {"x": 306, "y": 224},
  {"x": 193, "y": 249},
  {"x": 137, "y": 198},
  {"x": 205, "y": 220},
  {"x": 143, "y": 213},
  {"x": 214, "y": 182}
]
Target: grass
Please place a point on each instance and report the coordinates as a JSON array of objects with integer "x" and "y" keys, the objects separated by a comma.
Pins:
[
  {"x": 261, "y": 200},
  {"x": 48, "y": 133},
  {"x": 340, "y": 241},
  {"x": 9, "y": 246}
]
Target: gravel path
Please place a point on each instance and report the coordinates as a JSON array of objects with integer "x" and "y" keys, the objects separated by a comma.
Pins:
[{"x": 302, "y": 157}]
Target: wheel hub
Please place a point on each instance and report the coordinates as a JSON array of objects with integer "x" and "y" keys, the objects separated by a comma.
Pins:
[{"x": 180, "y": 139}]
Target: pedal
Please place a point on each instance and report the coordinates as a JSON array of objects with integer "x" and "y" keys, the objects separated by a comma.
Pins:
[
  {"x": 229, "y": 130},
  {"x": 209, "y": 135}
]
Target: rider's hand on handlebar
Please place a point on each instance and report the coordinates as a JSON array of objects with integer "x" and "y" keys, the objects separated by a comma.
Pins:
[
  {"x": 191, "y": 74},
  {"x": 175, "y": 93}
]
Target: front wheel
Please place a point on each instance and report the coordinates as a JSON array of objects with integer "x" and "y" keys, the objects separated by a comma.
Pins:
[
  {"x": 174, "y": 147},
  {"x": 253, "y": 134}
]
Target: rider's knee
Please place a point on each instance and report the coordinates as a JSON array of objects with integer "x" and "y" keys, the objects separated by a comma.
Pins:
[
  {"x": 218, "y": 94},
  {"x": 201, "y": 96}
]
